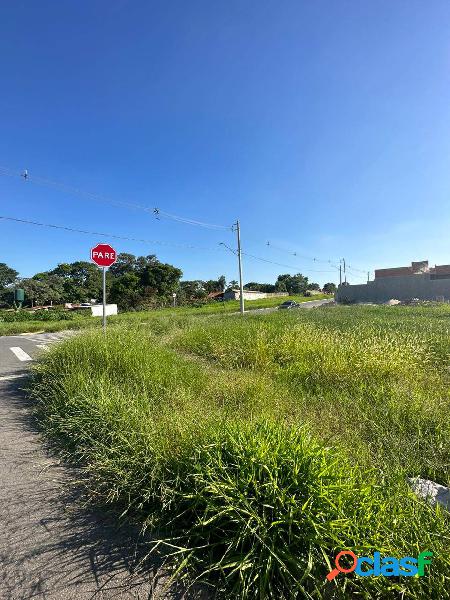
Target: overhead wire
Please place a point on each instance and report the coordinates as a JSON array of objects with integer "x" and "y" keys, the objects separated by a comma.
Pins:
[
  {"x": 298, "y": 269},
  {"x": 311, "y": 258},
  {"x": 106, "y": 235},
  {"x": 331, "y": 262},
  {"x": 75, "y": 191},
  {"x": 156, "y": 212},
  {"x": 147, "y": 241},
  {"x": 355, "y": 269},
  {"x": 160, "y": 213}
]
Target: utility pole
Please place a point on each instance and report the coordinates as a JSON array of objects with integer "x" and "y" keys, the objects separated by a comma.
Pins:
[
  {"x": 368, "y": 276},
  {"x": 241, "y": 284},
  {"x": 345, "y": 274},
  {"x": 340, "y": 273}
]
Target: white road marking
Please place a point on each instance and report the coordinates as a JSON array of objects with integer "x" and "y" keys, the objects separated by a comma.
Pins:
[
  {"x": 8, "y": 377},
  {"x": 42, "y": 346},
  {"x": 21, "y": 354}
]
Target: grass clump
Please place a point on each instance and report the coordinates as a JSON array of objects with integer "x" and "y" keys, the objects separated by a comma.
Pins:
[{"x": 262, "y": 508}]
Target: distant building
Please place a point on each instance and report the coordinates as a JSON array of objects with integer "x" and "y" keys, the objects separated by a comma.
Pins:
[
  {"x": 402, "y": 283},
  {"x": 215, "y": 296},
  {"x": 235, "y": 294}
]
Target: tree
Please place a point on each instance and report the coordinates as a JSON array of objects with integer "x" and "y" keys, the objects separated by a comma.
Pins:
[
  {"x": 81, "y": 280},
  {"x": 313, "y": 286},
  {"x": 192, "y": 290},
  {"x": 215, "y": 285},
  {"x": 260, "y": 287},
  {"x": 222, "y": 283},
  {"x": 7, "y": 275},
  {"x": 144, "y": 261},
  {"x": 36, "y": 291},
  {"x": 293, "y": 284},
  {"x": 160, "y": 279},
  {"x": 141, "y": 281},
  {"x": 329, "y": 288},
  {"x": 125, "y": 263},
  {"x": 233, "y": 284},
  {"x": 43, "y": 288},
  {"x": 126, "y": 291}
]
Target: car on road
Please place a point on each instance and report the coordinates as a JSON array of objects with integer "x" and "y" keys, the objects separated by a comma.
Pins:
[{"x": 289, "y": 304}]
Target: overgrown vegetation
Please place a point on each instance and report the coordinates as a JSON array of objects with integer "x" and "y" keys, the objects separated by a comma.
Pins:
[
  {"x": 256, "y": 449},
  {"x": 27, "y": 322},
  {"x": 132, "y": 282}
]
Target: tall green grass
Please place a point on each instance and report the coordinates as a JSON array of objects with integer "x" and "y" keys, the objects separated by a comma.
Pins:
[
  {"x": 380, "y": 390},
  {"x": 227, "y": 457}
]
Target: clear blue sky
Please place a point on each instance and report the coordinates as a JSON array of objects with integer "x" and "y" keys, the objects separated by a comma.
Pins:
[{"x": 323, "y": 126}]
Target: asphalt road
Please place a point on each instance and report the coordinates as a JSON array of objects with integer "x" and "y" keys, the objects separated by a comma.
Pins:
[
  {"x": 309, "y": 304},
  {"x": 18, "y": 351},
  {"x": 51, "y": 546}
]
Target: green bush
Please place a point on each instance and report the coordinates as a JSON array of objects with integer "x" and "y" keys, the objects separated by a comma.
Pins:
[{"x": 38, "y": 315}]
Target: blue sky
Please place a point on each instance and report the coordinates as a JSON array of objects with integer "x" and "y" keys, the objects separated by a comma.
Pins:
[{"x": 323, "y": 126}]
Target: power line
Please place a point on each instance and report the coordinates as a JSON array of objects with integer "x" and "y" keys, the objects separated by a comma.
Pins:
[
  {"x": 107, "y": 235},
  {"x": 228, "y": 248},
  {"x": 355, "y": 272},
  {"x": 298, "y": 269},
  {"x": 74, "y": 191},
  {"x": 350, "y": 268},
  {"x": 312, "y": 258},
  {"x": 146, "y": 241},
  {"x": 158, "y": 214}
]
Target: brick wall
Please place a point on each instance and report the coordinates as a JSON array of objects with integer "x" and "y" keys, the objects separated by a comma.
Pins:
[
  {"x": 442, "y": 270},
  {"x": 394, "y": 272}
]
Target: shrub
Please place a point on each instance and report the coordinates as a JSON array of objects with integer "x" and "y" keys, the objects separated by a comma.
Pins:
[{"x": 38, "y": 315}]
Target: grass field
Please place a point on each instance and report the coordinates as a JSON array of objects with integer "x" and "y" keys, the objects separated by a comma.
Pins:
[
  {"x": 84, "y": 322},
  {"x": 256, "y": 448}
]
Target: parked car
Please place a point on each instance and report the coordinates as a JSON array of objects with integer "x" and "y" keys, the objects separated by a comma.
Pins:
[{"x": 289, "y": 304}]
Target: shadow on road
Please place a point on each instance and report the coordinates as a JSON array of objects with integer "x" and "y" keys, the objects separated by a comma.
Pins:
[{"x": 54, "y": 544}]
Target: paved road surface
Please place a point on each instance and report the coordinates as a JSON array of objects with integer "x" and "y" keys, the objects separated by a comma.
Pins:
[
  {"x": 308, "y": 304},
  {"x": 50, "y": 546},
  {"x": 18, "y": 351}
]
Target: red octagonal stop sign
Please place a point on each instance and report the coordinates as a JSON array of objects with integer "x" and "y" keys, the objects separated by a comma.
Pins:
[{"x": 103, "y": 255}]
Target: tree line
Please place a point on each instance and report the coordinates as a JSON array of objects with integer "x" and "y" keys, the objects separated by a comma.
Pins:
[{"x": 133, "y": 283}]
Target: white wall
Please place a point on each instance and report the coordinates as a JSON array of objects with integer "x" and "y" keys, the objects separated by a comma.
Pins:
[{"x": 97, "y": 310}]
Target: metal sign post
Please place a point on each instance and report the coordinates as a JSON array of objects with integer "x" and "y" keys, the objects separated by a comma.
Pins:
[
  {"x": 104, "y": 256},
  {"x": 104, "y": 299}
]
